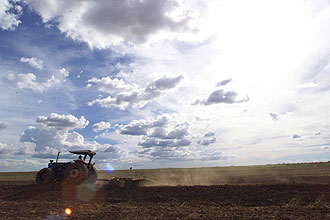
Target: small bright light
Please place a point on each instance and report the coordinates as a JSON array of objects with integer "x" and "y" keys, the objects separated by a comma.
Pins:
[
  {"x": 109, "y": 168},
  {"x": 68, "y": 211}
]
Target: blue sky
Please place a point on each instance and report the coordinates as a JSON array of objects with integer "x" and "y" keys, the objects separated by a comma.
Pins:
[{"x": 167, "y": 83}]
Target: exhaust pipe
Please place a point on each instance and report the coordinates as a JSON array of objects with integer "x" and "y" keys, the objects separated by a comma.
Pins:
[{"x": 58, "y": 154}]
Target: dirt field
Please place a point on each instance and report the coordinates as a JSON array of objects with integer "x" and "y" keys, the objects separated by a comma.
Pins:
[{"x": 266, "y": 192}]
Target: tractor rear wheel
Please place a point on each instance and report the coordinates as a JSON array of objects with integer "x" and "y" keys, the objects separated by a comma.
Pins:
[
  {"x": 76, "y": 173},
  {"x": 45, "y": 176}
]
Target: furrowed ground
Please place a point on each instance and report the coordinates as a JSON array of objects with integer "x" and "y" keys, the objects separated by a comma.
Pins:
[{"x": 290, "y": 191}]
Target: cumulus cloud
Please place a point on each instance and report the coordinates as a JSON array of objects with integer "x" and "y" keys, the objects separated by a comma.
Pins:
[
  {"x": 208, "y": 138},
  {"x": 49, "y": 140},
  {"x": 125, "y": 95},
  {"x": 63, "y": 121},
  {"x": 29, "y": 81},
  {"x": 159, "y": 132},
  {"x": 165, "y": 138},
  {"x": 34, "y": 62},
  {"x": 56, "y": 133},
  {"x": 274, "y": 116},
  {"x": 295, "y": 136},
  {"x": 9, "y": 14},
  {"x": 3, "y": 125},
  {"x": 44, "y": 136},
  {"x": 5, "y": 148},
  {"x": 223, "y": 82},
  {"x": 101, "y": 126},
  {"x": 220, "y": 96},
  {"x": 178, "y": 132},
  {"x": 109, "y": 85},
  {"x": 140, "y": 127},
  {"x": 109, "y": 22},
  {"x": 183, "y": 153}
]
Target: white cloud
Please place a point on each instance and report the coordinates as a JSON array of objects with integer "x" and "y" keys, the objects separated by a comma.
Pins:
[
  {"x": 29, "y": 81},
  {"x": 179, "y": 131},
  {"x": 125, "y": 95},
  {"x": 9, "y": 14},
  {"x": 5, "y": 148},
  {"x": 56, "y": 133},
  {"x": 142, "y": 126},
  {"x": 307, "y": 85},
  {"x": 63, "y": 121},
  {"x": 34, "y": 62},
  {"x": 109, "y": 22},
  {"x": 101, "y": 126},
  {"x": 158, "y": 134},
  {"x": 109, "y": 85}
]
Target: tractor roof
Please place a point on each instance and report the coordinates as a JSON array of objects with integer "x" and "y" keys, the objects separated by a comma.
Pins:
[{"x": 83, "y": 152}]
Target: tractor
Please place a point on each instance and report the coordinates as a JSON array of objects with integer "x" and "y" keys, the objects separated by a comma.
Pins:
[{"x": 74, "y": 172}]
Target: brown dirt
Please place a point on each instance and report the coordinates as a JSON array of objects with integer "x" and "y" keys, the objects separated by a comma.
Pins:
[{"x": 272, "y": 201}]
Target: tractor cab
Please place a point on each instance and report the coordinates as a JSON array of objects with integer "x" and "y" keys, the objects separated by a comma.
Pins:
[{"x": 85, "y": 153}]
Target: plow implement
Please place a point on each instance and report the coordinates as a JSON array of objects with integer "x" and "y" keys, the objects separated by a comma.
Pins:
[{"x": 126, "y": 183}]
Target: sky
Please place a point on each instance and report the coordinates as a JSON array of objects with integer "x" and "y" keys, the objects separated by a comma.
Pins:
[{"x": 167, "y": 83}]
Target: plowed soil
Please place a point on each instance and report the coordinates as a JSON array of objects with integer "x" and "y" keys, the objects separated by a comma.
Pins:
[{"x": 267, "y": 201}]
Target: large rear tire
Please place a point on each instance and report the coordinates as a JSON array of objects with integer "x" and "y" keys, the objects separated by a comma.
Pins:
[
  {"x": 45, "y": 176},
  {"x": 76, "y": 173}
]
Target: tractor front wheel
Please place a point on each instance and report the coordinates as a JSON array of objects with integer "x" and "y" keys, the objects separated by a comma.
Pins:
[
  {"x": 45, "y": 176},
  {"x": 76, "y": 173}
]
